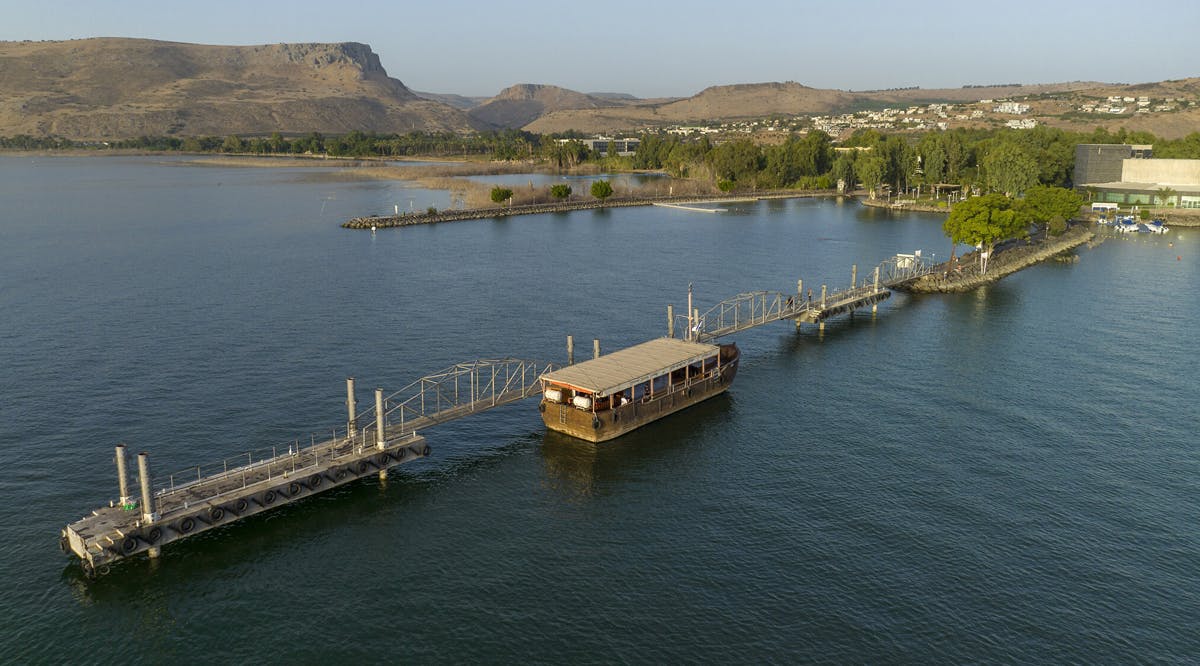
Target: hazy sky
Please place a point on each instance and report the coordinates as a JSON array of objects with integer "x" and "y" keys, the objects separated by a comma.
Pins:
[{"x": 650, "y": 48}]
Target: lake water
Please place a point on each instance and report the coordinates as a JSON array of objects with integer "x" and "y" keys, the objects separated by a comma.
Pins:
[{"x": 1008, "y": 475}]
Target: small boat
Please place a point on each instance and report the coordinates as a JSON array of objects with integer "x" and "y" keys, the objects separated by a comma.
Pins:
[
  {"x": 606, "y": 397},
  {"x": 1157, "y": 227}
]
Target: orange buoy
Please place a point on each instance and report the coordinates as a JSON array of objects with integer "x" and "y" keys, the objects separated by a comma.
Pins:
[{"x": 1179, "y": 258}]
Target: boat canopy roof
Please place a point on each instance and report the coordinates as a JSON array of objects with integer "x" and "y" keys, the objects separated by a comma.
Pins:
[{"x": 632, "y": 365}]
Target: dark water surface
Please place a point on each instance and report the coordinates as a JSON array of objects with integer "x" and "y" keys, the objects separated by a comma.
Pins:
[{"x": 1009, "y": 475}]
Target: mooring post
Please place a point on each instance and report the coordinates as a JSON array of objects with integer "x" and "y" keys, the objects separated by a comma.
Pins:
[
  {"x": 122, "y": 479},
  {"x": 570, "y": 350},
  {"x": 875, "y": 306},
  {"x": 670, "y": 321},
  {"x": 379, "y": 418},
  {"x": 595, "y": 347},
  {"x": 822, "y": 297},
  {"x": 351, "y": 408},
  {"x": 148, "y": 513},
  {"x": 799, "y": 290},
  {"x": 690, "y": 323},
  {"x": 853, "y": 275}
]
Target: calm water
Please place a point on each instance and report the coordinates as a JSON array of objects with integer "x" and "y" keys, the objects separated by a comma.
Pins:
[{"x": 1003, "y": 476}]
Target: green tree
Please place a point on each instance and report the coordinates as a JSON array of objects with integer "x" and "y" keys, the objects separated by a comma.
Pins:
[
  {"x": 1165, "y": 194},
  {"x": 232, "y": 144},
  {"x": 560, "y": 191},
  {"x": 738, "y": 160},
  {"x": 1009, "y": 169},
  {"x": 843, "y": 169},
  {"x": 501, "y": 194},
  {"x": 983, "y": 222},
  {"x": 870, "y": 169},
  {"x": 1042, "y": 203},
  {"x": 602, "y": 189}
]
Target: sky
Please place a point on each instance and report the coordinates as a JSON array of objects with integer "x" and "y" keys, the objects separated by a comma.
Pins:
[{"x": 666, "y": 48}]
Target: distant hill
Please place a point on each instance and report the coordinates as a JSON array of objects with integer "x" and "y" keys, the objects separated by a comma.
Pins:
[
  {"x": 462, "y": 102},
  {"x": 113, "y": 88},
  {"x": 519, "y": 105}
]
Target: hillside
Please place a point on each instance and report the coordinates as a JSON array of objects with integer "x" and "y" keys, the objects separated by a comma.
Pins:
[
  {"x": 519, "y": 105},
  {"x": 112, "y": 88}
]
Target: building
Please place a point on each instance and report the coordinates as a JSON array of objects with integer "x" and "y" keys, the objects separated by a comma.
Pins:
[
  {"x": 603, "y": 144},
  {"x": 1128, "y": 174}
]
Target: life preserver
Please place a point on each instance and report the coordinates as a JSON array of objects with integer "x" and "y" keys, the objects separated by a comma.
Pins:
[
  {"x": 186, "y": 525},
  {"x": 314, "y": 481},
  {"x": 240, "y": 506},
  {"x": 129, "y": 544},
  {"x": 216, "y": 513},
  {"x": 293, "y": 489},
  {"x": 268, "y": 497},
  {"x": 154, "y": 534}
]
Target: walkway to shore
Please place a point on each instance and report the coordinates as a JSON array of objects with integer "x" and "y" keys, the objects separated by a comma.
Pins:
[
  {"x": 964, "y": 275},
  {"x": 385, "y": 221}
]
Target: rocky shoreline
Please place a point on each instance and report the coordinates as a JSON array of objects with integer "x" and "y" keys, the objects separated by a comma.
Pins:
[
  {"x": 389, "y": 221},
  {"x": 964, "y": 275}
]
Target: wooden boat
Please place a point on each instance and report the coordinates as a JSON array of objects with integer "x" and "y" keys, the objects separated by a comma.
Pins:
[{"x": 609, "y": 396}]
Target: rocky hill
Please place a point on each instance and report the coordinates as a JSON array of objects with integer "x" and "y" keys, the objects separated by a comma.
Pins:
[
  {"x": 112, "y": 88},
  {"x": 519, "y": 105}
]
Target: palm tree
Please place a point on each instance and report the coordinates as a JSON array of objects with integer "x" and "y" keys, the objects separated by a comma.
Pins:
[{"x": 1165, "y": 194}]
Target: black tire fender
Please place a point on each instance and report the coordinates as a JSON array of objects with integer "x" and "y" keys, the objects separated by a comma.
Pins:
[
  {"x": 340, "y": 474},
  {"x": 129, "y": 544},
  {"x": 216, "y": 513},
  {"x": 314, "y": 481},
  {"x": 268, "y": 498},
  {"x": 595, "y": 422},
  {"x": 240, "y": 506},
  {"x": 293, "y": 489},
  {"x": 186, "y": 525},
  {"x": 363, "y": 466},
  {"x": 154, "y": 534},
  {"x": 541, "y": 407}
]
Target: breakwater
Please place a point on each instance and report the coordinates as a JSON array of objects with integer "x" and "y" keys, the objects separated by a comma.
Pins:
[
  {"x": 457, "y": 215},
  {"x": 964, "y": 275}
]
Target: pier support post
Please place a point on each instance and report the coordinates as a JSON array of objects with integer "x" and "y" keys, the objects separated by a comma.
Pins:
[
  {"x": 875, "y": 306},
  {"x": 822, "y": 297},
  {"x": 799, "y": 290},
  {"x": 690, "y": 324},
  {"x": 853, "y": 276},
  {"x": 122, "y": 478},
  {"x": 570, "y": 350},
  {"x": 379, "y": 418},
  {"x": 595, "y": 347},
  {"x": 351, "y": 408},
  {"x": 149, "y": 515},
  {"x": 696, "y": 324},
  {"x": 670, "y": 321}
]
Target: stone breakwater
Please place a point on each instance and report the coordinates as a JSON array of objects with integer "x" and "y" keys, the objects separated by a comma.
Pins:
[
  {"x": 964, "y": 275},
  {"x": 387, "y": 221}
]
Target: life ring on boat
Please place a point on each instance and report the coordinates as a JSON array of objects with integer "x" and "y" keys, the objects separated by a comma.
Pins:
[
  {"x": 155, "y": 534},
  {"x": 541, "y": 407},
  {"x": 216, "y": 513},
  {"x": 129, "y": 544},
  {"x": 314, "y": 481},
  {"x": 240, "y": 506},
  {"x": 293, "y": 489},
  {"x": 268, "y": 498},
  {"x": 596, "y": 422},
  {"x": 186, "y": 525}
]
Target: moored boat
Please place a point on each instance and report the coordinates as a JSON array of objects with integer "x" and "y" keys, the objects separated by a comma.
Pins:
[{"x": 609, "y": 396}]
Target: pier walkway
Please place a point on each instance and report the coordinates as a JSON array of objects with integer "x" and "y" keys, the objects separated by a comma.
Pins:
[{"x": 203, "y": 497}]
